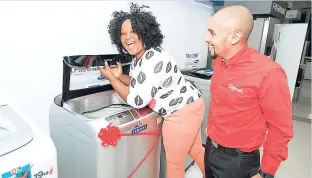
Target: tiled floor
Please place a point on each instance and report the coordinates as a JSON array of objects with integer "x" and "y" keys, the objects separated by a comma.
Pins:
[{"x": 298, "y": 164}]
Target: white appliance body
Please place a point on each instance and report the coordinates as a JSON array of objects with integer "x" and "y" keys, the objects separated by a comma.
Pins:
[
  {"x": 24, "y": 151},
  {"x": 261, "y": 37},
  {"x": 290, "y": 36},
  {"x": 80, "y": 152}
]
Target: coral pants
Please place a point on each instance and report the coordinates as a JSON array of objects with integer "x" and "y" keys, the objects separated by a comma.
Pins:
[{"x": 181, "y": 136}]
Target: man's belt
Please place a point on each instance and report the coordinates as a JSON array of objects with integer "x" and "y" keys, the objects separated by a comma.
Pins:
[{"x": 230, "y": 151}]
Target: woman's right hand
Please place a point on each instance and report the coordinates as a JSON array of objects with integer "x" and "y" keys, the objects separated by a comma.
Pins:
[{"x": 117, "y": 71}]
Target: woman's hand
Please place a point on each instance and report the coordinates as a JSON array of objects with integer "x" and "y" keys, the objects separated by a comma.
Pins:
[
  {"x": 117, "y": 71},
  {"x": 106, "y": 72},
  {"x": 119, "y": 87}
]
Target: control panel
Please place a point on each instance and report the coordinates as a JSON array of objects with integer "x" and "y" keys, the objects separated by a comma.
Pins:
[
  {"x": 120, "y": 118},
  {"x": 128, "y": 116}
]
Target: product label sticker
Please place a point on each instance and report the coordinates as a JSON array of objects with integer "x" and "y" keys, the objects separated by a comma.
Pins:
[
  {"x": 93, "y": 85},
  {"x": 19, "y": 172},
  {"x": 139, "y": 129},
  {"x": 101, "y": 77},
  {"x": 41, "y": 173}
]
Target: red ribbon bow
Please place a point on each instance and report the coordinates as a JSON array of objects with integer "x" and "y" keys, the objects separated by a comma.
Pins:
[{"x": 111, "y": 134}]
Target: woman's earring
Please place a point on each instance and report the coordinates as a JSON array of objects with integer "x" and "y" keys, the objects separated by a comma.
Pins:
[
  {"x": 124, "y": 51},
  {"x": 144, "y": 46}
]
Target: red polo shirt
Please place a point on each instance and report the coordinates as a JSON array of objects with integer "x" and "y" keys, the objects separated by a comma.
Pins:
[{"x": 249, "y": 98}]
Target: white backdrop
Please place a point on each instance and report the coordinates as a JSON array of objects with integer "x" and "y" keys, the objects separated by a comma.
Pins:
[{"x": 35, "y": 35}]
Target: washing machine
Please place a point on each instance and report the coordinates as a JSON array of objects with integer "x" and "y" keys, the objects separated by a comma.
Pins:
[
  {"x": 25, "y": 152},
  {"x": 202, "y": 79},
  {"x": 87, "y": 108}
]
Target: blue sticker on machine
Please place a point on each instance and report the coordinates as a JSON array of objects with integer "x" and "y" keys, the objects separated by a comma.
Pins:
[
  {"x": 207, "y": 70},
  {"x": 24, "y": 171},
  {"x": 101, "y": 77},
  {"x": 139, "y": 129}
]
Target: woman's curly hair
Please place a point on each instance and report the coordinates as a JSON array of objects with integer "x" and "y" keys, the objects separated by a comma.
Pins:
[{"x": 143, "y": 23}]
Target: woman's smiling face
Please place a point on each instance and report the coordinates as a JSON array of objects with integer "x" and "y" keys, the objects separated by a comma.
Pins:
[{"x": 130, "y": 40}]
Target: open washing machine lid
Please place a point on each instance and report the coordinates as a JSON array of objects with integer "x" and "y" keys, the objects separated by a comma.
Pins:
[
  {"x": 81, "y": 75},
  {"x": 14, "y": 131}
]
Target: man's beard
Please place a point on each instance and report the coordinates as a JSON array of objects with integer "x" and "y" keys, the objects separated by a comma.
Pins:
[{"x": 214, "y": 55}]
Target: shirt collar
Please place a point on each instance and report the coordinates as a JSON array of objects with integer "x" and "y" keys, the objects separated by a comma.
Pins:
[{"x": 238, "y": 57}]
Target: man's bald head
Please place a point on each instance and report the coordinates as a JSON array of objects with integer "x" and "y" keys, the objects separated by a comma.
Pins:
[
  {"x": 229, "y": 30},
  {"x": 235, "y": 19}
]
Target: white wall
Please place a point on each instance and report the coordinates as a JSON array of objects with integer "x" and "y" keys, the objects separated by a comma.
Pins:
[{"x": 35, "y": 35}]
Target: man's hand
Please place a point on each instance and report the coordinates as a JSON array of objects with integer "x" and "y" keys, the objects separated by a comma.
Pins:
[
  {"x": 257, "y": 176},
  {"x": 117, "y": 71},
  {"x": 106, "y": 72}
]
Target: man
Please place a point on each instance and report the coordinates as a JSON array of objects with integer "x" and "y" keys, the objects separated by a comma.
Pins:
[{"x": 250, "y": 100}]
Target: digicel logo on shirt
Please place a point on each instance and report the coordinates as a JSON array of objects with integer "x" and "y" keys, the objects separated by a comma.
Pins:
[{"x": 234, "y": 88}]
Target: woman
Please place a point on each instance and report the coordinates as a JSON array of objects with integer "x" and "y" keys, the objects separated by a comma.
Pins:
[{"x": 157, "y": 82}]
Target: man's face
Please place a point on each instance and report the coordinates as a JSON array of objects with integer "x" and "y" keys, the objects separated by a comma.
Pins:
[{"x": 217, "y": 39}]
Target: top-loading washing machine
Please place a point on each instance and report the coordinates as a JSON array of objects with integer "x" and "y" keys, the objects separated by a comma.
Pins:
[
  {"x": 86, "y": 109},
  {"x": 202, "y": 79},
  {"x": 25, "y": 151}
]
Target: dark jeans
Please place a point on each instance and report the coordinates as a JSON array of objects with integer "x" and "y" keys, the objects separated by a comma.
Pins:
[{"x": 230, "y": 163}]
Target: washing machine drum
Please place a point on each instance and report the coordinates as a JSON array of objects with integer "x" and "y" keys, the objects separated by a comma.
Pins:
[{"x": 14, "y": 131}]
